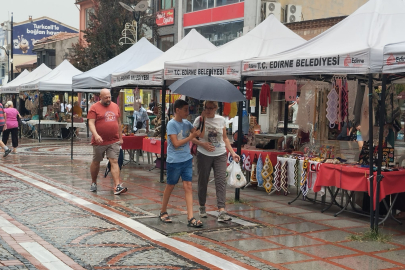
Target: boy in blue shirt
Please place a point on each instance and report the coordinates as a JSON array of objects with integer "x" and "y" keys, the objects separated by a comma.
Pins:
[{"x": 179, "y": 160}]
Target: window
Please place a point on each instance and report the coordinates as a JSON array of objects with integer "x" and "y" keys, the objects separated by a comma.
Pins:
[
  {"x": 220, "y": 33},
  {"x": 166, "y": 4},
  {"x": 196, "y": 5},
  {"x": 88, "y": 12},
  {"x": 226, "y": 2},
  {"x": 166, "y": 42}
]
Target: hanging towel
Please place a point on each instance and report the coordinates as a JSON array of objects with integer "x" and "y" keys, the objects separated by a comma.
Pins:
[
  {"x": 267, "y": 174},
  {"x": 265, "y": 97},
  {"x": 259, "y": 168},
  {"x": 227, "y": 109},
  {"x": 247, "y": 164},
  {"x": 234, "y": 110},
  {"x": 249, "y": 90},
  {"x": 277, "y": 170}
]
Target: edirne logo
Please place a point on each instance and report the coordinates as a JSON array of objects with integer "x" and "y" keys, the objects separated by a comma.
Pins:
[{"x": 353, "y": 61}]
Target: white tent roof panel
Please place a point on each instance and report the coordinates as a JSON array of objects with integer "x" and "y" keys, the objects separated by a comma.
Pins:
[
  {"x": 37, "y": 73},
  {"x": 269, "y": 37},
  {"x": 11, "y": 87},
  {"x": 99, "y": 77},
  {"x": 353, "y": 46},
  {"x": 59, "y": 79},
  {"x": 152, "y": 73},
  {"x": 394, "y": 58}
]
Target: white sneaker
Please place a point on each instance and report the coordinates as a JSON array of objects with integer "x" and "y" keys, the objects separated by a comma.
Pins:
[{"x": 93, "y": 187}]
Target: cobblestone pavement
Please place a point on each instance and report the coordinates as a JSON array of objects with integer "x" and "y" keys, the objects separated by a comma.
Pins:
[{"x": 45, "y": 195}]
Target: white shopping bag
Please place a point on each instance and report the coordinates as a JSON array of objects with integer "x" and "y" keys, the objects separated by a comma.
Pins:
[{"x": 234, "y": 176}]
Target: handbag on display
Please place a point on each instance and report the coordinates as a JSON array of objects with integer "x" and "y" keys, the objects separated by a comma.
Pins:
[{"x": 193, "y": 149}]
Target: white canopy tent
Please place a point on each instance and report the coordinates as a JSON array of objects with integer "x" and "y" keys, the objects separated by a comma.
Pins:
[
  {"x": 59, "y": 79},
  {"x": 152, "y": 73},
  {"x": 11, "y": 87},
  {"x": 394, "y": 58},
  {"x": 269, "y": 37},
  {"x": 353, "y": 46},
  {"x": 99, "y": 77},
  {"x": 39, "y": 72}
]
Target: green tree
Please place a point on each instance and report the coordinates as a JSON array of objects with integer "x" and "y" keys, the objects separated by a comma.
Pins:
[{"x": 101, "y": 38}]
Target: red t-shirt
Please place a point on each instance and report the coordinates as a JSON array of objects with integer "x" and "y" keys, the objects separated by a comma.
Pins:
[{"x": 106, "y": 122}]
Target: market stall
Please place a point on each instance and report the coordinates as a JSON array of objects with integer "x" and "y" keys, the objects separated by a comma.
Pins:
[
  {"x": 58, "y": 80},
  {"x": 369, "y": 29},
  {"x": 10, "y": 89},
  {"x": 269, "y": 37},
  {"x": 151, "y": 74},
  {"x": 95, "y": 79}
]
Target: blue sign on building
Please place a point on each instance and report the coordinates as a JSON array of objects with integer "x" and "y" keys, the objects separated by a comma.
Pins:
[{"x": 26, "y": 35}]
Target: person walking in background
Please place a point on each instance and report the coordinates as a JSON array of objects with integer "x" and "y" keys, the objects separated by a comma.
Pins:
[
  {"x": 179, "y": 161},
  {"x": 76, "y": 109},
  {"x": 105, "y": 125},
  {"x": 83, "y": 105},
  {"x": 3, "y": 126},
  {"x": 211, "y": 153},
  {"x": 91, "y": 102},
  {"x": 11, "y": 125},
  {"x": 359, "y": 138},
  {"x": 141, "y": 118}
]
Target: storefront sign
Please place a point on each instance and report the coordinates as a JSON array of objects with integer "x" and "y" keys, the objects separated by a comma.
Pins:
[
  {"x": 165, "y": 17},
  {"x": 129, "y": 100},
  {"x": 229, "y": 72},
  {"x": 26, "y": 35}
]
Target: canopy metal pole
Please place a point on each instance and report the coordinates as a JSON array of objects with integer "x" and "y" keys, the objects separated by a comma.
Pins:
[
  {"x": 240, "y": 132},
  {"x": 39, "y": 117},
  {"x": 380, "y": 149},
  {"x": 73, "y": 132},
  {"x": 87, "y": 113},
  {"x": 163, "y": 132},
  {"x": 370, "y": 143}
]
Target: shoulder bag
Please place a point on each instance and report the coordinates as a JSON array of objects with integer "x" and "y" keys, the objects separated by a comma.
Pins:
[{"x": 193, "y": 149}]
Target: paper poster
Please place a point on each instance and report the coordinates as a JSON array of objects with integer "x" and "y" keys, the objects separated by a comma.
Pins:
[
  {"x": 129, "y": 100},
  {"x": 290, "y": 90}
]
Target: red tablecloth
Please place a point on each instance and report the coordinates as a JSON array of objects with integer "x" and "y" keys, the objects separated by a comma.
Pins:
[
  {"x": 271, "y": 153},
  {"x": 152, "y": 145},
  {"x": 355, "y": 178},
  {"x": 132, "y": 142}
]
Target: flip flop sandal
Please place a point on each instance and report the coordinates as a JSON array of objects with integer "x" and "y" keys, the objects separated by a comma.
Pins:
[
  {"x": 165, "y": 219},
  {"x": 194, "y": 223}
]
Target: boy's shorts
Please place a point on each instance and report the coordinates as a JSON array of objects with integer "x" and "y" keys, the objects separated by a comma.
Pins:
[{"x": 179, "y": 169}]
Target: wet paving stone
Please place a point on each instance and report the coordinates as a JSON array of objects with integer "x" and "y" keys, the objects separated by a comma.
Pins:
[
  {"x": 251, "y": 244},
  {"x": 314, "y": 265},
  {"x": 265, "y": 231},
  {"x": 364, "y": 262},
  {"x": 326, "y": 251},
  {"x": 295, "y": 241},
  {"x": 281, "y": 256},
  {"x": 304, "y": 227}
]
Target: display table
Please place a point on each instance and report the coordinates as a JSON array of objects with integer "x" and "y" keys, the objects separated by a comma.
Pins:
[
  {"x": 133, "y": 144},
  {"x": 354, "y": 178},
  {"x": 152, "y": 145},
  {"x": 53, "y": 129}
]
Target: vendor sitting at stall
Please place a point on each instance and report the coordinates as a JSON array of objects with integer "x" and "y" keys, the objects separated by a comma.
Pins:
[{"x": 141, "y": 119}]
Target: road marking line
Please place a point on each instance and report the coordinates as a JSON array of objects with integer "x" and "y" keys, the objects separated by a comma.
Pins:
[
  {"x": 137, "y": 226},
  {"x": 9, "y": 227},
  {"x": 45, "y": 257}
]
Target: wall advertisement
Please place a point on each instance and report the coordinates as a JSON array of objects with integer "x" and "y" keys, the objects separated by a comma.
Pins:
[{"x": 26, "y": 35}]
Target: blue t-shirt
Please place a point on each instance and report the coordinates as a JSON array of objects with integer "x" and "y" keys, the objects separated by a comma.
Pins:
[{"x": 182, "y": 130}]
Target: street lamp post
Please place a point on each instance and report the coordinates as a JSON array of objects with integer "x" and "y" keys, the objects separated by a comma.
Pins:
[
  {"x": 136, "y": 12},
  {"x": 8, "y": 61},
  {"x": 12, "y": 47}
]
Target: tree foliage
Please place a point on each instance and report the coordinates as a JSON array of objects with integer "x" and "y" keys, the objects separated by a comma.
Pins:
[{"x": 101, "y": 39}]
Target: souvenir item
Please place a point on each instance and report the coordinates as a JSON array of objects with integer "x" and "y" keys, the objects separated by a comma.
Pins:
[
  {"x": 259, "y": 169},
  {"x": 247, "y": 164},
  {"x": 253, "y": 178},
  {"x": 304, "y": 175},
  {"x": 277, "y": 171},
  {"x": 267, "y": 175}
]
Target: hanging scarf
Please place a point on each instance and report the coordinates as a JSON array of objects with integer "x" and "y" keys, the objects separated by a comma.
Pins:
[
  {"x": 296, "y": 168},
  {"x": 234, "y": 110},
  {"x": 265, "y": 97},
  {"x": 227, "y": 109},
  {"x": 249, "y": 90},
  {"x": 267, "y": 175},
  {"x": 277, "y": 174},
  {"x": 304, "y": 175},
  {"x": 332, "y": 110},
  {"x": 247, "y": 164},
  {"x": 259, "y": 168},
  {"x": 253, "y": 178},
  {"x": 284, "y": 183},
  {"x": 344, "y": 101}
]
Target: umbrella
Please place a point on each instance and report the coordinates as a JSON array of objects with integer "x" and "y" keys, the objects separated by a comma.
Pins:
[{"x": 207, "y": 88}]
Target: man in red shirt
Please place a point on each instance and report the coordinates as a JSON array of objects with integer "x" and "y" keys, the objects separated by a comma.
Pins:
[{"x": 105, "y": 125}]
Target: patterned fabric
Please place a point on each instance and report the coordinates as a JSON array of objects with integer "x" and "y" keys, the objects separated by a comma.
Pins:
[
  {"x": 332, "y": 109},
  {"x": 247, "y": 164},
  {"x": 344, "y": 101},
  {"x": 296, "y": 167},
  {"x": 306, "y": 108},
  {"x": 277, "y": 174},
  {"x": 304, "y": 182},
  {"x": 253, "y": 177},
  {"x": 267, "y": 174},
  {"x": 284, "y": 184},
  {"x": 2, "y": 120},
  {"x": 259, "y": 168}
]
